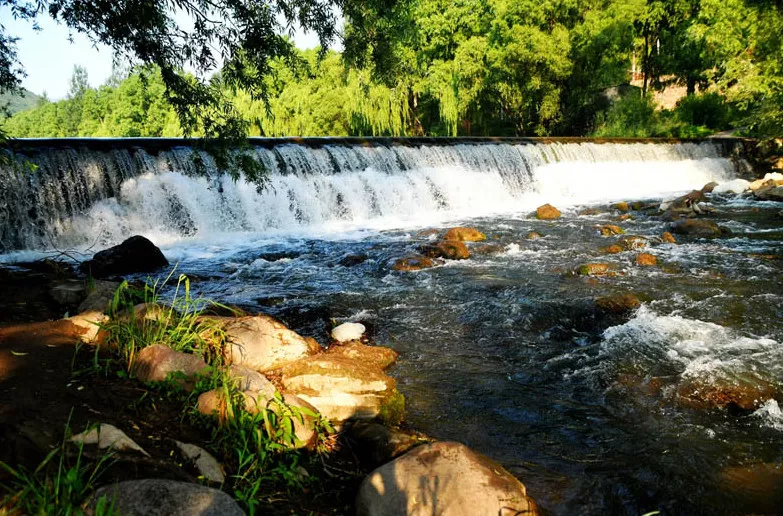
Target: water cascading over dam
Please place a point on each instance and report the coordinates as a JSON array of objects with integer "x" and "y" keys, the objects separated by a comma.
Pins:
[{"x": 94, "y": 192}]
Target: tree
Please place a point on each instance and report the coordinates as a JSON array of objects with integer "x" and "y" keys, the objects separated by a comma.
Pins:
[{"x": 237, "y": 36}]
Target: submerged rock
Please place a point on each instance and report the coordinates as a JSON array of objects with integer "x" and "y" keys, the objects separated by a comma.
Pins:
[
  {"x": 169, "y": 497},
  {"x": 547, "y": 212},
  {"x": 136, "y": 254},
  {"x": 646, "y": 260},
  {"x": 534, "y": 235},
  {"x": 744, "y": 393},
  {"x": 448, "y": 249},
  {"x": 264, "y": 343},
  {"x": 618, "y": 303},
  {"x": 413, "y": 263},
  {"x": 612, "y": 249},
  {"x": 594, "y": 269},
  {"x": 696, "y": 227},
  {"x": 668, "y": 238},
  {"x": 446, "y": 479},
  {"x": 610, "y": 230},
  {"x": 620, "y": 206},
  {"x": 633, "y": 242},
  {"x": 464, "y": 234}
]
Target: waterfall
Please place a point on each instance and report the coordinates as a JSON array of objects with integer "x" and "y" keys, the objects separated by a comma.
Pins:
[{"x": 75, "y": 196}]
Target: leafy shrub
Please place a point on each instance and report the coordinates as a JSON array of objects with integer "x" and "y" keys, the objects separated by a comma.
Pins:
[{"x": 708, "y": 110}]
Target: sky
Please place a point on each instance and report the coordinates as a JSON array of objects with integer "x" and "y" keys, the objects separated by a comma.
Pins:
[{"x": 48, "y": 56}]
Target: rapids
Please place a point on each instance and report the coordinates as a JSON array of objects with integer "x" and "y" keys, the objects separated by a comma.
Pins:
[{"x": 505, "y": 352}]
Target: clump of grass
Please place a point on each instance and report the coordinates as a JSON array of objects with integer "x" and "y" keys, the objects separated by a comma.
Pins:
[
  {"x": 59, "y": 485},
  {"x": 177, "y": 324}
]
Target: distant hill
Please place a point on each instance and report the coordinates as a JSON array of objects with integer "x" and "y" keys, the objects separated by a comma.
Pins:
[{"x": 18, "y": 102}]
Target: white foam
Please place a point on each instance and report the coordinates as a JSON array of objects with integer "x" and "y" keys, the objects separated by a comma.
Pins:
[{"x": 770, "y": 414}]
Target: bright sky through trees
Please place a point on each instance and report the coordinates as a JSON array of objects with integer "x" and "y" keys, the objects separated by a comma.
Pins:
[{"x": 49, "y": 57}]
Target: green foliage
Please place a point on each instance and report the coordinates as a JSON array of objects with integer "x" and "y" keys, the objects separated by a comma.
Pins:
[
  {"x": 177, "y": 324},
  {"x": 59, "y": 485},
  {"x": 437, "y": 67}
]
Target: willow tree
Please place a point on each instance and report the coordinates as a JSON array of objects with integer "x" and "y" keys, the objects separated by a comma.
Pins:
[{"x": 239, "y": 38}]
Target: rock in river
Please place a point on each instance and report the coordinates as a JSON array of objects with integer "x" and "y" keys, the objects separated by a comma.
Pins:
[
  {"x": 547, "y": 212},
  {"x": 464, "y": 234},
  {"x": 136, "y": 254}
]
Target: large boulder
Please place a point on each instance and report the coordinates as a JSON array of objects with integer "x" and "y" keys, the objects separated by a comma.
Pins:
[
  {"x": 547, "y": 212},
  {"x": 342, "y": 388},
  {"x": 443, "y": 479},
  {"x": 464, "y": 234},
  {"x": 136, "y": 254},
  {"x": 449, "y": 249},
  {"x": 263, "y": 343},
  {"x": 155, "y": 363},
  {"x": 770, "y": 194},
  {"x": 696, "y": 227},
  {"x": 157, "y": 496}
]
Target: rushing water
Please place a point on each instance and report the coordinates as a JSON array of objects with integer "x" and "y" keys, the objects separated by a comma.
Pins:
[{"x": 506, "y": 352}]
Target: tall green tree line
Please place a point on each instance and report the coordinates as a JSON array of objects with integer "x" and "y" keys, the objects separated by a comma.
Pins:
[{"x": 481, "y": 67}]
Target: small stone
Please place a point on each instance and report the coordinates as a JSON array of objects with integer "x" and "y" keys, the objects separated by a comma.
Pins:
[
  {"x": 709, "y": 187},
  {"x": 207, "y": 465},
  {"x": 89, "y": 324},
  {"x": 169, "y": 497},
  {"x": 610, "y": 230},
  {"x": 108, "y": 436},
  {"x": 593, "y": 269},
  {"x": 620, "y": 206},
  {"x": 624, "y": 217},
  {"x": 668, "y": 238},
  {"x": 613, "y": 249},
  {"x": 464, "y": 234},
  {"x": 448, "y": 249},
  {"x": 348, "y": 331},
  {"x": 646, "y": 260},
  {"x": 547, "y": 212},
  {"x": 533, "y": 235},
  {"x": 632, "y": 242}
]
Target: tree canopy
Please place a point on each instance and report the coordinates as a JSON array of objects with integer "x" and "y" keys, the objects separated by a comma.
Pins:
[{"x": 420, "y": 67}]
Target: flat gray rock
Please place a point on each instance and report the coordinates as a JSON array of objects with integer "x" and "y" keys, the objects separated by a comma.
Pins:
[{"x": 155, "y": 497}]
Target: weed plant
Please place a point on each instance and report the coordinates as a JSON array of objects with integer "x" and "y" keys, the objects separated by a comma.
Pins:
[{"x": 59, "y": 485}]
